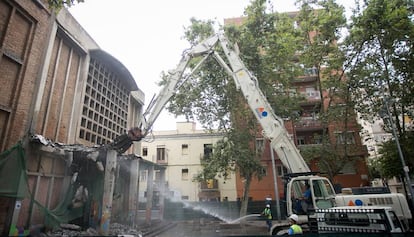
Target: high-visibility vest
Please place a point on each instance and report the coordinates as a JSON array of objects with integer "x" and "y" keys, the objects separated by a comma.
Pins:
[
  {"x": 267, "y": 213},
  {"x": 295, "y": 229}
]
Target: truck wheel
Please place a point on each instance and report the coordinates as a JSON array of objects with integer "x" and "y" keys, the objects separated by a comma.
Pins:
[{"x": 279, "y": 232}]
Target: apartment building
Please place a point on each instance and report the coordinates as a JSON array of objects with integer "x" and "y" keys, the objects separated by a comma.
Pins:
[
  {"x": 373, "y": 135},
  {"x": 181, "y": 152},
  {"x": 308, "y": 131},
  {"x": 58, "y": 87}
]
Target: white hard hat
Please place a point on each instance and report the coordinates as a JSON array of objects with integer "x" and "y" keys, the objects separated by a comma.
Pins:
[
  {"x": 267, "y": 205},
  {"x": 294, "y": 217}
]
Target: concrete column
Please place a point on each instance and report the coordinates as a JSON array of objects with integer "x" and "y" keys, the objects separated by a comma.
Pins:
[
  {"x": 109, "y": 183},
  {"x": 162, "y": 193},
  {"x": 150, "y": 192},
  {"x": 133, "y": 192},
  {"x": 138, "y": 189}
]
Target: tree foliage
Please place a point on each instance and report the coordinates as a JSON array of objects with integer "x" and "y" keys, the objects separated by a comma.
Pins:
[
  {"x": 268, "y": 44},
  {"x": 56, "y": 5},
  {"x": 211, "y": 97},
  {"x": 380, "y": 55},
  {"x": 375, "y": 58},
  {"x": 389, "y": 164},
  {"x": 380, "y": 58}
]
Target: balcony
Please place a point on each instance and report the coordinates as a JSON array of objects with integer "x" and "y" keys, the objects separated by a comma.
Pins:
[
  {"x": 353, "y": 149},
  {"x": 211, "y": 185},
  {"x": 305, "y": 146},
  {"x": 160, "y": 160},
  {"x": 308, "y": 124},
  {"x": 309, "y": 75},
  {"x": 312, "y": 97},
  {"x": 306, "y": 78}
]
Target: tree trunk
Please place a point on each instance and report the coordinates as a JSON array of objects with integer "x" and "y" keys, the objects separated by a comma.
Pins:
[{"x": 245, "y": 198}]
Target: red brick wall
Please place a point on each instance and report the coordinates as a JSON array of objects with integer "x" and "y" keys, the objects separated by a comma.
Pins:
[{"x": 23, "y": 37}]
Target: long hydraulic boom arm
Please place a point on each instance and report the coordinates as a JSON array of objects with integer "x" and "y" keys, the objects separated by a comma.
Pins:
[
  {"x": 273, "y": 127},
  {"x": 174, "y": 81}
]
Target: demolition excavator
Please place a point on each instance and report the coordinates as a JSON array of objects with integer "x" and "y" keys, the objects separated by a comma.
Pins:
[
  {"x": 322, "y": 191},
  {"x": 272, "y": 125}
]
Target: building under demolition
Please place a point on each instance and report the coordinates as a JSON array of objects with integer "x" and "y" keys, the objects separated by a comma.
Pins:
[{"x": 64, "y": 103}]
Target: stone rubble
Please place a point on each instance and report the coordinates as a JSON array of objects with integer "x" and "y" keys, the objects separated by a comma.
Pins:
[{"x": 115, "y": 229}]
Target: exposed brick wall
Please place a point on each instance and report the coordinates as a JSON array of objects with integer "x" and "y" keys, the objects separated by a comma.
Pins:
[
  {"x": 24, "y": 28},
  {"x": 59, "y": 92},
  {"x": 40, "y": 125},
  {"x": 70, "y": 93}
]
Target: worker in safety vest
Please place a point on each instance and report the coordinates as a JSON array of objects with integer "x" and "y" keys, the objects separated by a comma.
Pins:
[
  {"x": 294, "y": 229},
  {"x": 267, "y": 213}
]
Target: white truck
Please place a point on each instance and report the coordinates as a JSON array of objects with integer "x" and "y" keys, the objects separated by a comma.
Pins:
[
  {"x": 322, "y": 191},
  {"x": 356, "y": 219},
  {"x": 396, "y": 201}
]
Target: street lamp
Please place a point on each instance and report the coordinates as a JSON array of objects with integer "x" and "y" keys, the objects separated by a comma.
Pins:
[{"x": 386, "y": 115}]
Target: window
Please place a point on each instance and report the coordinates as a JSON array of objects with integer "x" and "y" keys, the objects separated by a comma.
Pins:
[
  {"x": 312, "y": 93},
  {"x": 317, "y": 139},
  {"x": 184, "y": 197},
  {"x": 259, "y": 145},
  {"x": 310, "y": 71},
  {"x": 322, "y": 191},
  {"x": 301, "y": 140},
  {"x": 184, "y": 174},
  {"x": 208, "y": 150},
  {"x": 143, "y": 176},
  {"x": 345, "y": 137},
  {"x": 145, "y": 151},
  {"x": 157, "y": 176},
  {"x": 184, "y": 149},
  {"x": 349, "y": 168},
  {"x": 263, "y": 170},
  {"x": 281, "y": 170},
  {"x": 161, "y": 153}
]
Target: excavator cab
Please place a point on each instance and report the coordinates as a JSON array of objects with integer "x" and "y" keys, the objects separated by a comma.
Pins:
[{"x": 306, "y": 193}]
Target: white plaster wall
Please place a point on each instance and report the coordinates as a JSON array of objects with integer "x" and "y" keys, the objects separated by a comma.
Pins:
[{"x": 173, "y": 140}]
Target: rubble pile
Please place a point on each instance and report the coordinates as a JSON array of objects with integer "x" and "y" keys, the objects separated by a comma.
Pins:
[
  {"x": 115, "y": 229},
  {"x": 119, "y": 229}
]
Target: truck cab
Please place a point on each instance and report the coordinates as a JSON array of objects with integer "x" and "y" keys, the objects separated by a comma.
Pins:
[{"x": 321, "y": 195}]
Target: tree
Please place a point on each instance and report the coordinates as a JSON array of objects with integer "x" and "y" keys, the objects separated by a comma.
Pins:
[
  {"x": 56, "y": 5},
  {"x": 211, "y": 97},
  {"x": 233, "y": 154},
  {"x": 380, "y": 58},
  {"x": 389, "y": 163},
  {"x": 268, "y": 44}
]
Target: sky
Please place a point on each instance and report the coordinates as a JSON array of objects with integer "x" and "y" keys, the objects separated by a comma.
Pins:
[{"x": 146, "y": 35}]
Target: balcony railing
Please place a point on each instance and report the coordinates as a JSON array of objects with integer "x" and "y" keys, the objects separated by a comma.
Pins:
[
  {"x": 209, "y": 185},
  {"x": 160, "y": 160},
  {"x": 312, "y": 96},
  {"x": 309, "y": 74},
  {"x": 308, "y": 124}
]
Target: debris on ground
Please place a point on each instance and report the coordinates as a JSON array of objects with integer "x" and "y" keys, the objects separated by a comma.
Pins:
[{"x": 115, "y": 229}]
